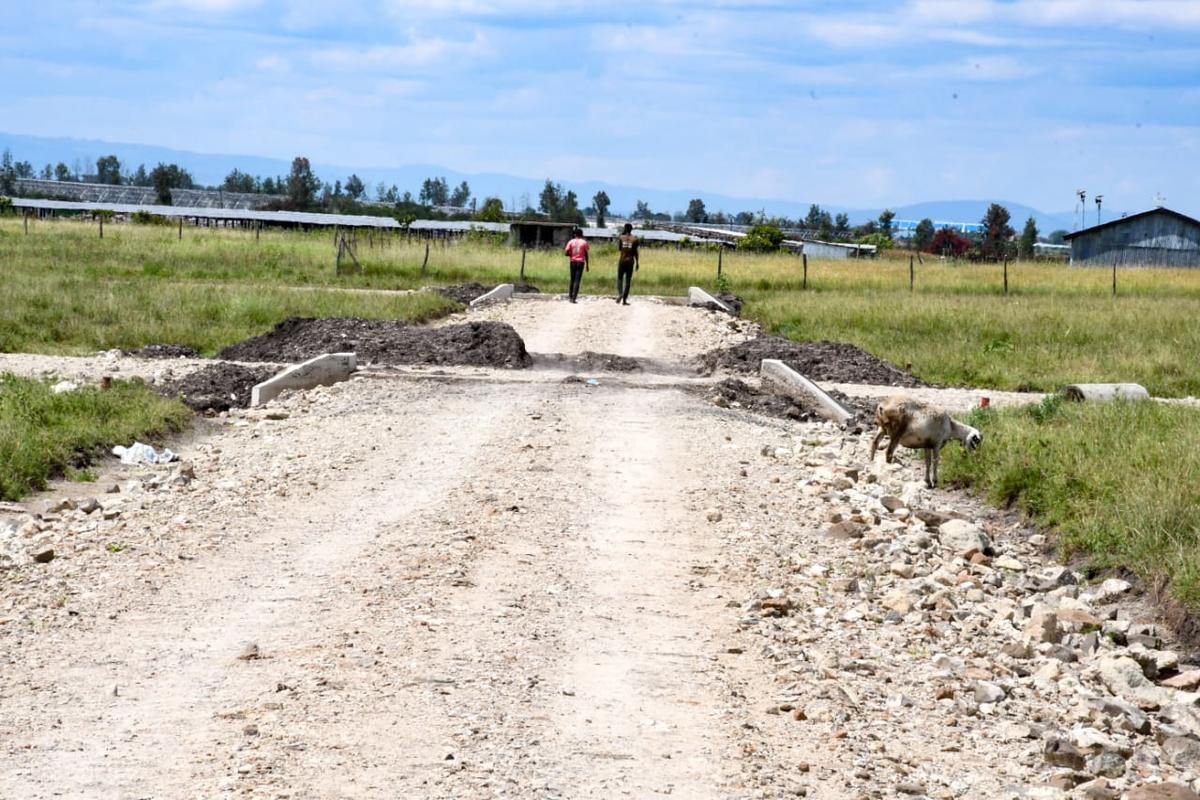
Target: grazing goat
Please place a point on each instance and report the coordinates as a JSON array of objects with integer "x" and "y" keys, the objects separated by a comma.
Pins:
[{"x": 920, "y": 426}]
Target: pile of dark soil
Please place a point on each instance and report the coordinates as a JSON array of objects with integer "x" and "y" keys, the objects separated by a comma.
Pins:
[
  {"x": 525, "y": 288},
  {"x": 219, "y": 387},
  {"x": 162, "y": 351},
  {"x": 733, "y": 301},
  {"x": 764, "y": 401},
  {"x": 465, "y": 292},
  {"x": 588, "y": 361},
  {"x": 836, "y": 362},
  {"x": 382, "y": 341}
]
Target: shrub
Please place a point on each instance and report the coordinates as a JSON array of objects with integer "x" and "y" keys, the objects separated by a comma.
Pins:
[{"x": 762, "y": 239}]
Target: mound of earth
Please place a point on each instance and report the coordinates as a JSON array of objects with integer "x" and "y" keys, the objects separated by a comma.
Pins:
[
  {"x": 162, "y": 351},
  {"x": 733, "y": 301},
  {"x": 836, "y": 362},
  {"x": 382, "y": 341},
  {"x": 525, "y": 288},
  {"x": 465, "y": 293},
  {"x": 219, "y": 387},
  {"x": 736, "y": 393}
]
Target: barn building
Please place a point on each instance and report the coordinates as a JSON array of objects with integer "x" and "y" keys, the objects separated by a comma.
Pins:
[{"x": 1159, "y": 237}]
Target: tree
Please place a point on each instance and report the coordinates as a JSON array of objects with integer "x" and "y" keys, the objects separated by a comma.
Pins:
[
  {"x": 8, "y": 173},
  {"x": 434, "y": 192},
  {"x": 761, "y": 239},
  {"x": 141, "y": 177},
  {"x": 1057, "y": 236},
  {"x": 923, "y": 235},
  {"x": 550, "y": 200},
  {"x": 841, "y": 226},
  {"x": 302, "y": 184},
  {"x": 238, "y": 181},
  {"x": 813, "y": 220},
  {"x": 62, "y": 172},
  {"x": 569, "y": 212},
  {"x": 355, "y": 187},
  {"x": 949, "y": 243},
  {"x": 492, "y": 211},
  {"x": 696, "y": 211},
  {"x": 825, "y": 227},
  {"x": 744, "y": 218},
  {"x": 642, "y": 210},
  {"x": 601, "y": 203},
  {"x": 996, "y": 232},
  {"x": 24, "y": 170},
  {"x": 108, "y": 170},
  {"x": 47, "y": 173},
  {"x": 885, "y": 222},
  {"x": 1028, "y": 239},
  {"x": 461, "y": 196}
]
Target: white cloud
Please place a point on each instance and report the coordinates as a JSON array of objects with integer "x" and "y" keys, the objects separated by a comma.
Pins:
[
  {"x": 203, "y": 6},
  {"x": 416, "y": 53}
]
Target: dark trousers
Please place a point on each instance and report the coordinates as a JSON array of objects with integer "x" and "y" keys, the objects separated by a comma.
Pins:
[
  {"x": 576, "y": 278},
  {"x": 624, "y": 280}
]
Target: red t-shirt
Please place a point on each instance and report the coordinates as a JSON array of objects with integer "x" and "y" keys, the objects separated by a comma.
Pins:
[{"x": 577, "y": 249}]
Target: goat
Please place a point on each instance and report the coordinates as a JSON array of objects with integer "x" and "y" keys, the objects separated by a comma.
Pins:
[{"x": 920, "y": 426}]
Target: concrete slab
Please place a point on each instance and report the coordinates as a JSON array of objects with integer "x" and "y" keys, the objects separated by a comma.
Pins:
[
  {"x": 794, "y": 384},
  {"x": 324, "y": 370},
  {"x": 699, "y": 297},
  {"x": 502, "y": 292}
]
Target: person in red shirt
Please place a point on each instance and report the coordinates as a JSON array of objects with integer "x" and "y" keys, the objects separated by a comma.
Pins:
[{"x": 577, "y": 251}]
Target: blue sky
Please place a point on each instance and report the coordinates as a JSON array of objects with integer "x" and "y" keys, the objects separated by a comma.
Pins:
[{"x": 842, "y": 103}]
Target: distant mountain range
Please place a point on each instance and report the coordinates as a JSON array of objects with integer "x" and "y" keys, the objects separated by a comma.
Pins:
[{"x": 211, "y": 169}]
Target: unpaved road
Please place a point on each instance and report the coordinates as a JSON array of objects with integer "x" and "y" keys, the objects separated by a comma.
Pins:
[{"x": 466, "y": 586}]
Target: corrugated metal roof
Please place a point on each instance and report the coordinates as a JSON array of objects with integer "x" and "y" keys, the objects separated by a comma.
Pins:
[{"x": 1130, "y": 218}]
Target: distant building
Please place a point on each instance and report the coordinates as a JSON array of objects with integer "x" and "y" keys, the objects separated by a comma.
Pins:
[
  {"x": 1159, "y": 237},
  {"x": 903, "y": 228},
  {"x": 837, "y": 251}
]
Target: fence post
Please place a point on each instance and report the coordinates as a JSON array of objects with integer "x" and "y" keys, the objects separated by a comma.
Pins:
[
  {"x": 25, "y": 216},
  {"x": 720, "y": 260},
  {"x": 257, "y": 229},
  {"x": 101, "y": 226},
  {"x": 912, "y": 273},
  {"x": 426, "y": 261},
  {"x": 181, "y": 229},
  {"x": 804, "y": 260},
  {"x": 1114, "y": 278},
  {"x": 522, "y": 266},
  {"x": 1006, "y": 276}
]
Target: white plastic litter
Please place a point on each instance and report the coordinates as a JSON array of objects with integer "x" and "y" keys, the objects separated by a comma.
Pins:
[
  {"x": 138, "y": 453},
  {"x": 64, "y": 386}
]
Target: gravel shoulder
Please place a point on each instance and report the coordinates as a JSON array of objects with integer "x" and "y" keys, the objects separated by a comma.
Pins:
[{"x": 467, "y": 587}]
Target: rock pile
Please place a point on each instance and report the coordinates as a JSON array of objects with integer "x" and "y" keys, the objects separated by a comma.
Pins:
[{"x": 913, "y": 624}]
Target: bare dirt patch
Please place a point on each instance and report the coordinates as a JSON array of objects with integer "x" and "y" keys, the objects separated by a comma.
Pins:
[
  {"x": 837, "y": 362},
  {"x": 589, "y": 361},
  {"x": 219, "y": 387},
  {"x": 473, "y": 344}
]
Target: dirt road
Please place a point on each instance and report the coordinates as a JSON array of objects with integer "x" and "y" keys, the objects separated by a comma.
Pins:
[{"x": 467, "y": 586}]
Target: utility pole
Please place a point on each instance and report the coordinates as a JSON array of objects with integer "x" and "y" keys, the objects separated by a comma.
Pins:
[
  {"x": 1099, "y": 200},
  {"x": 1082, "y": 207}
]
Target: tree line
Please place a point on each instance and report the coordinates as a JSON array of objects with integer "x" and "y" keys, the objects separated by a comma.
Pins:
[{"x": 302, "y": 190}]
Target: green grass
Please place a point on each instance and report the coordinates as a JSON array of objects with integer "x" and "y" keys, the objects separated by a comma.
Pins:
[
  {"x": 43, "y": 434},
  {"x": 1113, "y": 480}
]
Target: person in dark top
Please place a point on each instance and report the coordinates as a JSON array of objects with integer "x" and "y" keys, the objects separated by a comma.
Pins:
[
  {"x": 577, "y": 251},
  {"x": 627, "y": 262}
]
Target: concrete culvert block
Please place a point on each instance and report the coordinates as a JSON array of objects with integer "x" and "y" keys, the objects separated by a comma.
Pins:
[
  {"x": 1105, "y": 392},
  {"x": 699, "y": 297},
  {"x": 324, "y": 370},
  {"x": 794, "y": 384},
  {"x": 502, "y": 292}
]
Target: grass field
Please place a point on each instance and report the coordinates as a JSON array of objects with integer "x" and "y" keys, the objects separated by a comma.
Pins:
[
  {"x": 43, "y": 434},
  {"x": 1108, "y": 478},
  {"x": 72, "y": 292}
]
